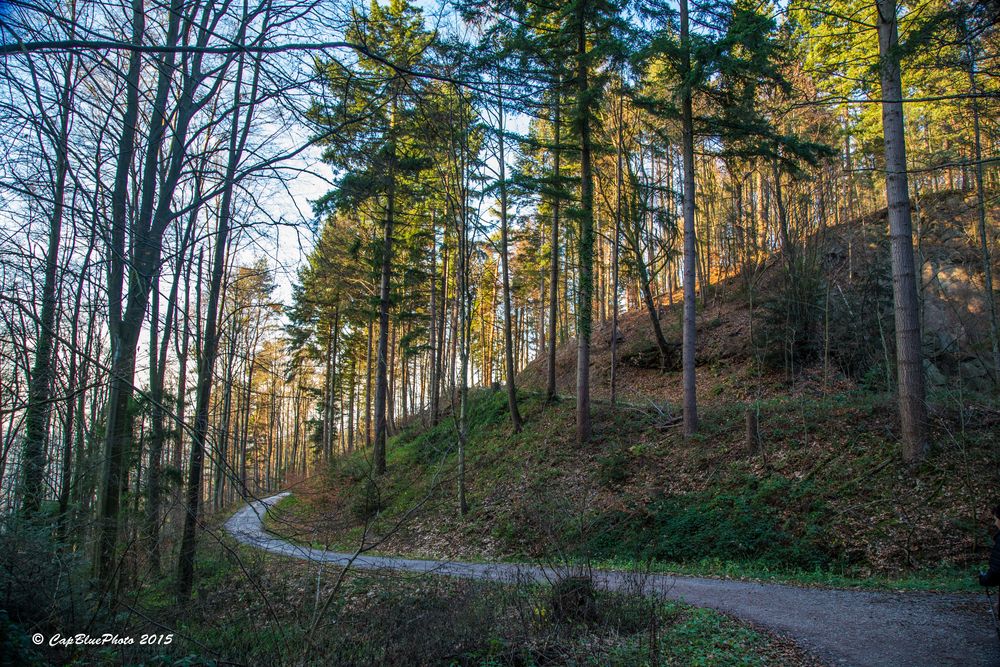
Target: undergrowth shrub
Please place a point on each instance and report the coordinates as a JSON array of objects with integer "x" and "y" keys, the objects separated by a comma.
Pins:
[
  {"x": 447, "y": 622},
  {"x": 365, "y": 500},
  {"x": 862, "y": 328},
  {"x": 42, "y": 581},
  {"x": 790, "y": 334},
  {"x": 16, "y": 648},
  {"x": 574, "y": 600}
]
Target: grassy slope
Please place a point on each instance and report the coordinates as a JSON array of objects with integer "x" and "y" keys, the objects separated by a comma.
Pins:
[{"x": 825, "y": 500}]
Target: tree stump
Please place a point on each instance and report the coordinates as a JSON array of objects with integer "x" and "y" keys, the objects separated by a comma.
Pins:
[{"x": 753, "y": 432}]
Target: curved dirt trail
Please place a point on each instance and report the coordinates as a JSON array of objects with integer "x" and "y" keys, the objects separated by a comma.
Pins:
[{"x": 842, "y": 627}]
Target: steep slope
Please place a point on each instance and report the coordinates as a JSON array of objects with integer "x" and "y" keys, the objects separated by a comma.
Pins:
[
  {"x": 823, "y": 499},
  {"x": 816, "y": 494},
  {"x": 837, "y": 325}
]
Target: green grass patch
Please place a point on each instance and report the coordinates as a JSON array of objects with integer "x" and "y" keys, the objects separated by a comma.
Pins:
[{"x": 766, "y": 521}]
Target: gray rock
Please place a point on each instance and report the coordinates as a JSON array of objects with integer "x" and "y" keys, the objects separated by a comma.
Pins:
[{"x": 934, "y": 377}]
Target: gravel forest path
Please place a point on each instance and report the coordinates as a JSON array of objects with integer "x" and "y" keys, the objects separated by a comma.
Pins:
[{"x": 841, "y": 627}]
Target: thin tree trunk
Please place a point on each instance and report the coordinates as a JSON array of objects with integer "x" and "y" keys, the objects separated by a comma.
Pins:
[
  {"x": 71, "y": 390},
  {"x": 787, "y": 249},
  {"x": 368, "y": 388},
  {"x": 152, "y": 218},
  {"x": 111, "y": 476},
  {"x": 350, "y": 406},
  {"x": 508, "y": 339},
  {"x": 550, "y": 386},
  {"x": 645, "y": 288},
  {"x": 619, "y": 185},
  {"x": 381, "y": 371},
  {"x": 40, "y": 384},
  {"x": 327, "y": 393},
  {"x": 585, "y": 279},
  {"x": 690, "y": 250},
  {"x": 984, "y": 244},
  {"x": 431, "y": 418},
  {"x": 465, "y": 335},
  {"x": 332, "y": 399},
  {"x": 222, "y": 446},
  {"x": 237, "y": 142},
  {"x": 440, "y": 354}
]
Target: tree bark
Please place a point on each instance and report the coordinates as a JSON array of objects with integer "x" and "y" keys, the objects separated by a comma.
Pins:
[
  {"x": 787, "y": 249},
  {"x": 586, "y": 239},
  {"x": 550, "y": 386},
  {"x": 368, "y": 387},
  {"x": 432, "y": 330},
  {"x": 206, "y": 365},
  {"x": 440, "y": 353},
  {"x": 508, "y": 338},
  {"x": 984, "y": 243},
  {"x": 909, "y": 365},
  {"x": 619, "y": 185},
  {"x": 690, "y": 250},
  {"x": 36, "y": 418},
  {"x": 382, "y": 355},
  {"x": 465, "y": 336}
]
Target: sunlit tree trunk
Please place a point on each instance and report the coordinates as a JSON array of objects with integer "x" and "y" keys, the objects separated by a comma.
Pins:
[
  {"x": 690, "y": 250},
  {"x": 368, "y": 387},
  {"x": 432, "y": 331},
  {"x": 984, "y": 242},
  {"x": 465, "y": 339},
  {"x": 382, "y": 354},
  {"x": 585, "y": 280},
  {"x": 508, "y": 338},
  {"x": 550, "y": 385},
  {"x": 909, "y": 368},
  {"x": 619, "y": 185}
]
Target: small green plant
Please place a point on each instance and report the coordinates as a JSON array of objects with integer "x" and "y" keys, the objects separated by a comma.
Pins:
[
  {"x": 15, "y": 646},
  {"x": 612, "y": 470}
]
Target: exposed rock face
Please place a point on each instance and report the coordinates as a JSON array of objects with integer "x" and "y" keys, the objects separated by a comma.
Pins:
[
  {"x": 852, "y": 314},
  {"x": 954, "y": 308}
]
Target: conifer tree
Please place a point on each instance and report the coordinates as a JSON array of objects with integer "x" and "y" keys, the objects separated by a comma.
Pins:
[{"x": 375, "y": 155}]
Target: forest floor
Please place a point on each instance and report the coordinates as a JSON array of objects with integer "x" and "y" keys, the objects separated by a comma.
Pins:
[
  {"x": 822, "y": 498},
  {"x": 822, "y": 501},
  {"x": 824, "y": 506},
  {"x": 840, "y": 627}
]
